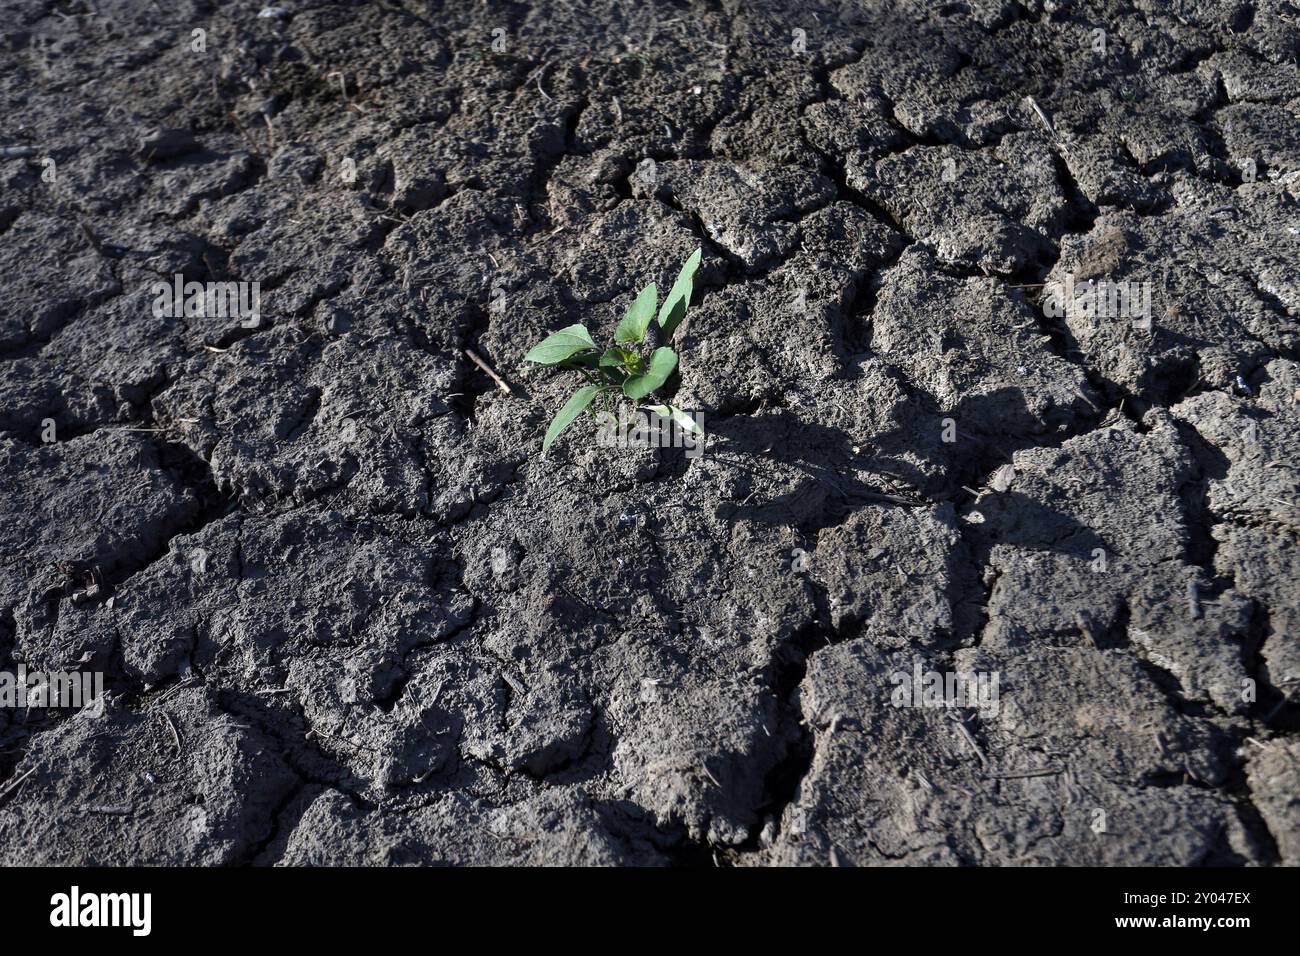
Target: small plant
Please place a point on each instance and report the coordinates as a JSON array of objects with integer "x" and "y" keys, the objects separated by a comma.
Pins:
[{"x": 623, "y": 369}]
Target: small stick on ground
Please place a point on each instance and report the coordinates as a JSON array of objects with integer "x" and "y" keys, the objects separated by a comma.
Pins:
[
  {"x": 14, "y": 786},
  {"x": 541, "y": 75},
  {"x": 501, "y": 383},
  {"x": 515, "y": 684},
  {"x": 970, "y": 739},
  {"x": 1044, "y": 772},
  {"x": 176, "y": 734},
  {"x": 343, "y": 86},
  {"x": 1042, "y": 116}
]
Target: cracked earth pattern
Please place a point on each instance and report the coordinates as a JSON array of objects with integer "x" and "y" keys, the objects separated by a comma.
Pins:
[{"x": 348, "y": 614}]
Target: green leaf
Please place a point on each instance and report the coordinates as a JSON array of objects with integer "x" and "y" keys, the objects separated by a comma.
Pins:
[
  {"x": 581, "y": 360},
  {"x": 676, "y": 414},
  {"x": 613, "y": 358},
  {"x": 684, "y": 420},
  {"x": 574, "y": 407},
  {"x": 558, "y": 346},
  {"x": 637, "y": 320},
  {"x": 662, "y": 363},
  {"x": 617, "y": 364},
  {"x": 674, "y": 317},
  {"x": 678, "y": 300}
]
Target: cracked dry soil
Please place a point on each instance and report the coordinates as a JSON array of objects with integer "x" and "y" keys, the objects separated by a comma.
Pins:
[{"x": 348, "y": 614}]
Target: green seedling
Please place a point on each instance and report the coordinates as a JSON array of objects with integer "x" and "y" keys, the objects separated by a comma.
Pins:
[{"x": 623, "y": 370}]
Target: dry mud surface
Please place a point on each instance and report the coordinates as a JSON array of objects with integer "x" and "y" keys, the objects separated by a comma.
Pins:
[{"x": 346, "y": 611}]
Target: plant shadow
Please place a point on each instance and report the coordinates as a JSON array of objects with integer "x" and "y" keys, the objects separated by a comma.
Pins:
[{"x": 834, "y": 474}]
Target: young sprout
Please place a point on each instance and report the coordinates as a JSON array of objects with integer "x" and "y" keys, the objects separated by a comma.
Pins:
[{"x": 623, "y": 369}]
